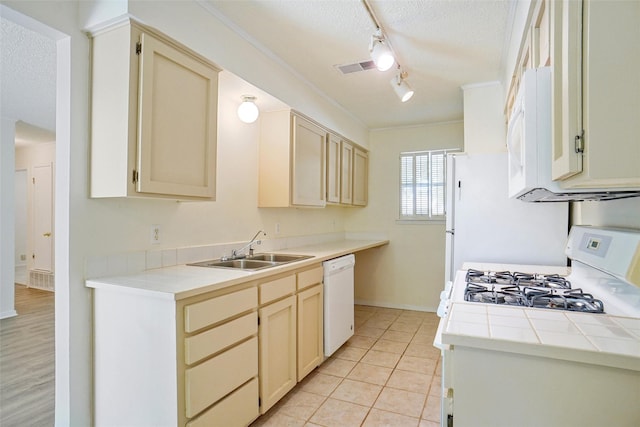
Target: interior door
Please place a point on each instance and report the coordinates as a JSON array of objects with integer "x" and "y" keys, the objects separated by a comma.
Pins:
[{"x": 43, "y": 218}]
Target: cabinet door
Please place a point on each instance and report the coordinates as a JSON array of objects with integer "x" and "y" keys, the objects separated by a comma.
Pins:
[
  {"x": 308, "y": 168},
  {"x": 346, "y": 173},
  {"x": 360, "y": 177},
  {"x": 611, "y": 95},
  {"x": 566, "y": 88},
  {"x": 177, "y": 116},
  {"x": 310, "y": 328},
  {"x": 277, "y": 343},
  {"x": 333, "y": 169}
]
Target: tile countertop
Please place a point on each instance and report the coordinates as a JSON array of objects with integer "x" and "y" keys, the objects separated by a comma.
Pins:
[
  {"x": 597, "y": 339},
  {"x": 183, "y": 281}
]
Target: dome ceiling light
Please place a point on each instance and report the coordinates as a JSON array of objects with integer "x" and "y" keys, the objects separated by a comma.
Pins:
[{"x": 248, "y": 110}]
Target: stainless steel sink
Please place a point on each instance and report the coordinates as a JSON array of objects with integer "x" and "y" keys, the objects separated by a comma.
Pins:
[
  {"x": 255, "y": 262},
  {"x": 279, "y": 258}
]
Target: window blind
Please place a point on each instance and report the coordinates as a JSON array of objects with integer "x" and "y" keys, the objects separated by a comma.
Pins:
[{"x": 423, "y": 185}]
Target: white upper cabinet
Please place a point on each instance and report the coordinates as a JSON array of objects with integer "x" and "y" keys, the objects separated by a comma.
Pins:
[
  {"x": 292, "y": 170},
  {"x": 154, "y": 116},
  {"x": 596, "y": 143}
]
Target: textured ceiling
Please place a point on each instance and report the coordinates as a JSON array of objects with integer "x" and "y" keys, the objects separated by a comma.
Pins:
[
  {"x": 28, "y": 81},
  {"x": 442, "y": 44}
]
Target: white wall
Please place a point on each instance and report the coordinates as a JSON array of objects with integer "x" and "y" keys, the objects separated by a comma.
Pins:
[
  {"x": 484, "y": 123},
  {"x": 7, "y": 220},
  {"x": 21, "y": 222},
  {"x": 87, "y": 227},
  {"x": 409, "y": 272},
  {"x": 613, "y": 213}
]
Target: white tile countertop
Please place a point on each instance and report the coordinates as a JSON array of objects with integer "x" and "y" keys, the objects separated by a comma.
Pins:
[
  {"x": 581, "y": 337},
  {"x": 183, "y": 281}
]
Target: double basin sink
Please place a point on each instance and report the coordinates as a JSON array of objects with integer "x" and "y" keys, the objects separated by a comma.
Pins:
[{"x": 254, "y": 262}]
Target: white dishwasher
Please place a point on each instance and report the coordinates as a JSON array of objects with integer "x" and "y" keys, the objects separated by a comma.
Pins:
[{"x": 338, "y": 302}]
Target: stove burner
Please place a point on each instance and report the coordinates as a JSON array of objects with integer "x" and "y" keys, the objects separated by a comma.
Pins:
[
  {"x": 510, "y": 295},
  {"x": 542, "y": 280},
  {"x": 477, "y": 276},
  {"x": 528, "y": 290},
  {"x": 572, "y": 300}
]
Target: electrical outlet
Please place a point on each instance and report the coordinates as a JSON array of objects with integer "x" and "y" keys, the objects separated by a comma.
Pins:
[
  {"x": 155, "y": 234},
  {"x": 277, "y": 228}
]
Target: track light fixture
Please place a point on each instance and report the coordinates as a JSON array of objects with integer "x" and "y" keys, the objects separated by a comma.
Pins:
[
  {"x": 248, "y": 111},
  {"x": 380, "y": 51},
  {"x": 384, "y": 57},
  {"x": 401, "y": 87}
]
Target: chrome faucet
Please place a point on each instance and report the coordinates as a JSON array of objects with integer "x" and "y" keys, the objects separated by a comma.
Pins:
[{"x": 235, "y": 253}]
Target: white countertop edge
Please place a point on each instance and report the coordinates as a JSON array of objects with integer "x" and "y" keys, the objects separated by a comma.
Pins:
[
  {"x": 182, "y": 281},
  {"x": 600, "y": 358}
]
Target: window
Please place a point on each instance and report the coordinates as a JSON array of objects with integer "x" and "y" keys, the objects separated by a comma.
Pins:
[{"x": 423, "y": 185}]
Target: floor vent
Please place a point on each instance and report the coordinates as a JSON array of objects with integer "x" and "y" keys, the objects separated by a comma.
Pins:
[
  {"x": 42, "y": 280},
  {"x": 356, "y": 67}
]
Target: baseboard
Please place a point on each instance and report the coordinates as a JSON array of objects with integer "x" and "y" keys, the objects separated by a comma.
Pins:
[
  {"x": 8, "y": 313},
  {"x": 396, "y": 306}
]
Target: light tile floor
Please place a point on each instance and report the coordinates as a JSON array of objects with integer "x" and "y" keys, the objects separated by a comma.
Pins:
[{"x": 387, "y": 374}]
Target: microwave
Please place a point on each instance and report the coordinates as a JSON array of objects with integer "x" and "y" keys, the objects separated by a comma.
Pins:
[{"x": 529, "y": 145}]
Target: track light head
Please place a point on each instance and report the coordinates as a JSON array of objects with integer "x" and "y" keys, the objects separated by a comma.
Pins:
[
  {"x": 401, "y": 87},
  {"x": 380, "y": 51}
]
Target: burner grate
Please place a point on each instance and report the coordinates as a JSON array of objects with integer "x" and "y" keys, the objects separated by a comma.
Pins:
[{"x": 528, "y": 290}]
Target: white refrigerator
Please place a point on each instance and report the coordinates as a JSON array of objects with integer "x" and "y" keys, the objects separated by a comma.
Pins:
[{"x": 484, "y": 225}]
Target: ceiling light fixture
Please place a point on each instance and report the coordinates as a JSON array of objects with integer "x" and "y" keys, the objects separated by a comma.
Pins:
[
  {"x": 248, "y": 110},
  {"x": 384, "y": 57},
  {"x": 380, "y": 51},
  {"x": 401, "y": 87}
]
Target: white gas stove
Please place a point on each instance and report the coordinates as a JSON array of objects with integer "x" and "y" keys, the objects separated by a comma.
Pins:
[{"x": 574, "y": 328}]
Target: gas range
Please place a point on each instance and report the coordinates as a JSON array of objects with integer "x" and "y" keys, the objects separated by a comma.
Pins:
[
  {"x": 582, "y": 323},
  {"x": 551, "y": 291}
]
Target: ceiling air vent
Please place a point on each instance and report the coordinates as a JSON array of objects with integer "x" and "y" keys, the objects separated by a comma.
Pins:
[{"x": 356, "y": 67}]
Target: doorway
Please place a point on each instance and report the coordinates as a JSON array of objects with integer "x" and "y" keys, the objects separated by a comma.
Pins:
[{"x": 60, "y": 330}]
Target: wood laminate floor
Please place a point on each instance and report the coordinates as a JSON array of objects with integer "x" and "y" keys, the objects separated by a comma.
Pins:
[{"x": 27, "y": 361}]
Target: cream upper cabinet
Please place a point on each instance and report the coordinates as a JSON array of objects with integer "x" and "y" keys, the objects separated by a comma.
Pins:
[
  {"x": 566, "y": 115},
  {"x": 333, "y": 168},
  {"x": 346, "y": 173},
  {"x": 600, "y": 95},
  {"x": 360, "y": 177},
  {"x": 292, "y": 169},
  {"x": 153, "y": 116}
]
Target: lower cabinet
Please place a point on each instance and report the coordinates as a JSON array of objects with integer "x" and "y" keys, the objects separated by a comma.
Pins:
[
  {"x": 277, "y": 335},
  {"x": 217, "y": 359},
  {"x": 290, "y": 333},
  {"x": 310, "y": 330}
]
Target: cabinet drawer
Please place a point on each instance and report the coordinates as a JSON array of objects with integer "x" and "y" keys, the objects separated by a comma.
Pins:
[
  {"x": 279, "y": 288},
  {"x": 205, "y": 313},
  {"x": 237, "y": 409},
  {"x": 209, "y": 342},
  {"x": 310, "y": 277},
  {"x": 213, "y": 379}
]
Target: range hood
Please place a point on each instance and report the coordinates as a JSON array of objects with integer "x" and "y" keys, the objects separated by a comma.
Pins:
[
  {"x": 546, "y": 195},
  {"x": 529, "y": 145}
]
